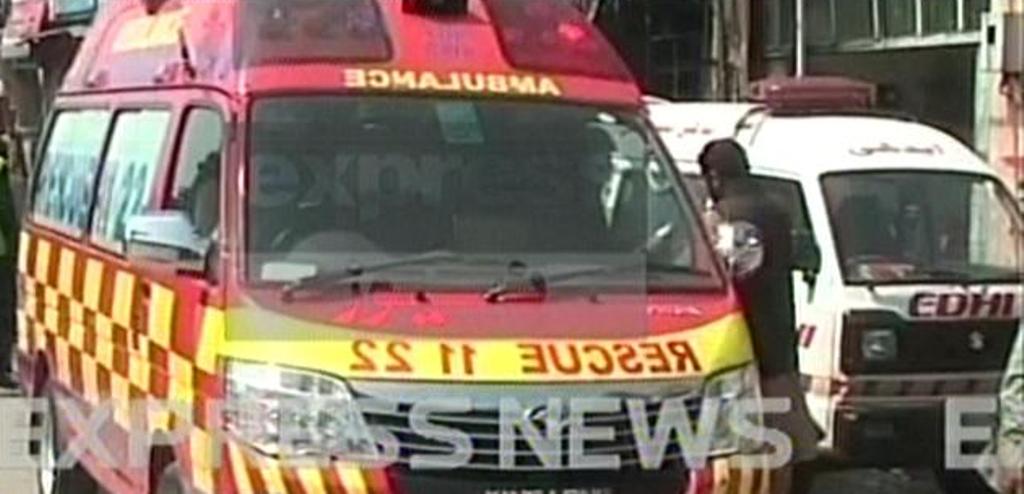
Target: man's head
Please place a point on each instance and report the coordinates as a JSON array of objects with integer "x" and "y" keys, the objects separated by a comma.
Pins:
[{"x": 721, "y": 161}]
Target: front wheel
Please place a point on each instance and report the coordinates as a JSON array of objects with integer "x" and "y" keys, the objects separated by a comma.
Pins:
[{"x": 52, "y": 477}]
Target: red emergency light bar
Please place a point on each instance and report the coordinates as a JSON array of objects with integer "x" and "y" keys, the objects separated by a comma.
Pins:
[
  {"x": 552, "y": 36},
  {"x": 813, "y": 93}
]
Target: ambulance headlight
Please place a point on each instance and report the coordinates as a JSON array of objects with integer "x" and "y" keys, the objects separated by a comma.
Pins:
[
  {"x": 879, "y": 345},
  {"x": 733, "y": 398},
  {"x": 286, "y": 412}
]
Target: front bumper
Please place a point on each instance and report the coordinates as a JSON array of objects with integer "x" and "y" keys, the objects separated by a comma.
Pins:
[
  {"x": 248, "y": 472},
  {"x": 897, "y": 435}
]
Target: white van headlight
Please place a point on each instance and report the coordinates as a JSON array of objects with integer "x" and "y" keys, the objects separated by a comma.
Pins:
[
  {"x": 287, "y": 412},
  {"x": 879, "y": 345},
  {"x": 733, "y": 397}
]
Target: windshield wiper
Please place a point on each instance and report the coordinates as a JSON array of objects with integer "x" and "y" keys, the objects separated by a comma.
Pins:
[
  {"x": 945, "y": 274},
  {"x": 356, "y": 271},
  {"x": 539, "y": 283}
]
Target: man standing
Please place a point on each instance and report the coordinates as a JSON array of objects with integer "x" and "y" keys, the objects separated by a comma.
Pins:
[
  {"x": 8, "y": 272},
  {"x": 1004, "y": 467},
  {"x": 767, "y": 297}
]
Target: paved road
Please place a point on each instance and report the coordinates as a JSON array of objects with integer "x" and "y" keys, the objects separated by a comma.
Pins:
[{"x": 16, "y": 474}]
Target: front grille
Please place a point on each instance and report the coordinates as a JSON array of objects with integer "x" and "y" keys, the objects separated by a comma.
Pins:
[
  {"x": 484, "y": 428},
  {"x": 931, "y": 346}
]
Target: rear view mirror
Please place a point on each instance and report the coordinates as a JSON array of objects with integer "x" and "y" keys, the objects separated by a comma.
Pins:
[
  {"x": 166, "y": 237},
  {"x": 740, "y": 244}
]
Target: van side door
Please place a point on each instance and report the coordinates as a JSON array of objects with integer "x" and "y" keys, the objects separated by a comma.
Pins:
[{"x": 182, "y": 301}]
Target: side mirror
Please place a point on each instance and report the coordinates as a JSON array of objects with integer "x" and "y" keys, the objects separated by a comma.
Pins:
[
  {"x": 166, "y": 237},
  {"x": 806, "y": 255},
  {"x": 740, "y": 244}
]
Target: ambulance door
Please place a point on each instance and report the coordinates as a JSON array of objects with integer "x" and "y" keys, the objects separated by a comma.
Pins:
[{"x": 181, "y": 290}]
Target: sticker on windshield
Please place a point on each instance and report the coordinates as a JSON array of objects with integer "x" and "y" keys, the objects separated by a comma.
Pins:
[{"x": 459, "y": 123}]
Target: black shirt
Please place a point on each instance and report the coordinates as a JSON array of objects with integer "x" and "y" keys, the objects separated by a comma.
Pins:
[
  {"x": 8, "y": 219},
  {"x": 767, "y": 294}
]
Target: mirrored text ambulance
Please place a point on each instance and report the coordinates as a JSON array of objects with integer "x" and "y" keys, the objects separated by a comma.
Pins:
[
  {"x": 416, "y": 234},
  {"x": 908, "y": 265}
]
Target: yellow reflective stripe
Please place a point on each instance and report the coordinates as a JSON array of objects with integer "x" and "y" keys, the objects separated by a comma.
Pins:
[
  {"x": 23, "y": 247},
  {"x": 352, "y": 479},
  {"x": 271, "y": 472},
  {"x": 161, "y": 316},
  {"x": 42, "y": 266},
  {"x": 66, "y": 276},
  {"x": 312, "y": 481},
  {"x": 93, "y": 284},
  {"x": 124, "y": 291},
  {"x": 238, "y": 467},
  {"x": 691, "y": 353},
  {"x": 201, "y": 451}
]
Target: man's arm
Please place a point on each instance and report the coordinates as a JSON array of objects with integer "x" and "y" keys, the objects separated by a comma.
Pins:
[{"x": 1010, "y": 444}]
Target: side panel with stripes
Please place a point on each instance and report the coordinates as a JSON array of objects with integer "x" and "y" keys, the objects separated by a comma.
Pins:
[{"x": 118, "y": 339}]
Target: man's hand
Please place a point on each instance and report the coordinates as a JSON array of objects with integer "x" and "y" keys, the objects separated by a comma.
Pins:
[
  {"x": 1011, "y": 479},
  {"x": 1013, "y": 484}
]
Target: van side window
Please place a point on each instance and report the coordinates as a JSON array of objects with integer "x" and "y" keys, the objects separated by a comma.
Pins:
[
  {"x": 129, "y": 171},
  {"x": 67, "y": 174},
  {"x": 196, "y": 184}
]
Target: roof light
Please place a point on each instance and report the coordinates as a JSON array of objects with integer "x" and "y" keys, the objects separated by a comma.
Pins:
[
  {"x": 572, "y": 33},
  {"x": 289, "y": 31},
  {"x": 814, "y": 93},
  {"x": 550, "y": 36},
  {"x": 437, "y": 7}
]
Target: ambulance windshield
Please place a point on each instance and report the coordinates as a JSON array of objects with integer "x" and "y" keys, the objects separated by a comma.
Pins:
[
  {"x": 342, "y": 181},
  {"x": 914, "y": 227}
]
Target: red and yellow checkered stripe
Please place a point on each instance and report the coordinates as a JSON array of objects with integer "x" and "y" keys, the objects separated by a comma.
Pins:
[{"x": 114, "y": 337}]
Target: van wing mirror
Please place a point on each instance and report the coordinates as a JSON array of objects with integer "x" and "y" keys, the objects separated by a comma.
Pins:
[
  {"x": 806, "y": 254},
  {"x": 741, "y": 245},
  {"x": 166, "y": 237}
]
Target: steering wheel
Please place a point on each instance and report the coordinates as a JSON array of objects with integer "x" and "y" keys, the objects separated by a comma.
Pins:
[
  {"x": 285, "y": 239},
  {"x": 294, "y": 231}
]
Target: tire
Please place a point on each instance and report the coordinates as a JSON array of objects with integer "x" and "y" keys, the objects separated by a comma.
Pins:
[
  {"x": 172, "y": 481},
  {"x": 49, "y": 449}
]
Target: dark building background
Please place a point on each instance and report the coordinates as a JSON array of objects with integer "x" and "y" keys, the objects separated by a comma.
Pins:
[{"x": 666, "y": 42}]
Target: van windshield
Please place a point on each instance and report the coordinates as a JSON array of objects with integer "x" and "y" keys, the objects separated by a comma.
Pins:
[
  {"x": 916, "y": 226},
  {"x": 367, "y": 181}
]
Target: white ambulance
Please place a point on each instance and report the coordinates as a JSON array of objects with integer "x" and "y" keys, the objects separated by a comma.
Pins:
[{"x": 908, "y": 264}]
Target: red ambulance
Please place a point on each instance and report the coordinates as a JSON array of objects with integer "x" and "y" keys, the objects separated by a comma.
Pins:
[{"x": 312, "y": 246}]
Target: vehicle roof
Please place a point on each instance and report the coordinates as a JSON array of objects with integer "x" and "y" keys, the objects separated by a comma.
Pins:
[
  {"x": 248, "y": 46},
  {"x": 812, "y": 144},
  {"x": 817, "y": 145},
  {"x": 686, "y": 128}
]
